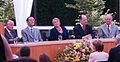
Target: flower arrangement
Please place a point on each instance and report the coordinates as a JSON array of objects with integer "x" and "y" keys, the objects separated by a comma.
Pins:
[{"x": 75, "y": 52}]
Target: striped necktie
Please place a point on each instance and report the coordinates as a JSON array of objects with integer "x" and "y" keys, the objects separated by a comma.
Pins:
[
  {"x": 11, "y": 34},
  {"x": 108, "y": 29},
  {"x": 32, "y": 33}
]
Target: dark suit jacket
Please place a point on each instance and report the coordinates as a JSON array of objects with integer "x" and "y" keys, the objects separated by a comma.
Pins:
[
  {"x": 2, "y": 51},
  {"x": 8, "y": 36},
  {"x": 54, "y": 34},
  {"x": 113, "y": 52},
  {"x": 79, "y": 32}
]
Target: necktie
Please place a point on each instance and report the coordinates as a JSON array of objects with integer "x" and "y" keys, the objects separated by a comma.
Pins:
[
  {"x": 108, "y": 28},
  {"x": 32, "y": 33},
  {"x": 11, "y": 34},
  {"x": 84, "y": 28}
]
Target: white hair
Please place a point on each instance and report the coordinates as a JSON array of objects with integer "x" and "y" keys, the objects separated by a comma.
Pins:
[
  {"x": 54, "y": 19},
  {"x": 10, "y": 21},
  {"x": 118, "y": 38}
]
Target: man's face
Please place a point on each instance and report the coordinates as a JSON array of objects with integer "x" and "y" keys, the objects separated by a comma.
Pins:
[
  {"x": 10, "y": 25},
  {"x": 56, "y": 22},
  {"x": 31, "y": 21},
  {"x": 83, "y": 20},
  {"x": 108, "y": 19}
]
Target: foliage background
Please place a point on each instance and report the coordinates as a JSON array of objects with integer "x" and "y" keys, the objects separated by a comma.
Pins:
[
  {"x": 6, "y": 10},
  {"x": 66, "y": 10}
]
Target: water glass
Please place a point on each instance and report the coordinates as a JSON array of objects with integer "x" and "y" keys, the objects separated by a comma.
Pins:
[{"x": 59, "y": 37}]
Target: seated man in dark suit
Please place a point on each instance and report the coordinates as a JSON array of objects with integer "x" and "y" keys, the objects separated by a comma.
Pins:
[
  {"x": 114, "y": 51},
  {"x": 10, "y": 33},
  {"x": 58, "y": 32},
  {"x": 83, "y": 29}
]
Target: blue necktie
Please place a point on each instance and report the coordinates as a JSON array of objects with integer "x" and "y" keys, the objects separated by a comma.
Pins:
[{"x": 32, "y": 33}]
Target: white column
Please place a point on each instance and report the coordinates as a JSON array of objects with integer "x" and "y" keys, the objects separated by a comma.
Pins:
[{"x": 22, "y": 11}]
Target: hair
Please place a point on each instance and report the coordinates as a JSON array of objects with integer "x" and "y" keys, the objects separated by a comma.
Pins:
[
  {"x": 55, "y": 18},
  {"x": 28, "y": 18},
  {"x": 118, "y": 38},
  {"x": 9, "y": 21},
  {"x": 110, "y": 15},
  {"x": 24, "y": 59},
  {"x": 98, "y": 45},
  {"x": 25, "y": 51},
  {"x": 44, "y": 58}
]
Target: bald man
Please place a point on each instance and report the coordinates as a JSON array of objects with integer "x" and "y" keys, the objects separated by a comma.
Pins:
[
  {"x": 10, "y": 33},
  {"x": 108, "y": 30},
  {"x": 83, "y": 29}
]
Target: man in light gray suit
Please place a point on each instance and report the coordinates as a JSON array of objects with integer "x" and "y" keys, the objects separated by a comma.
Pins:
[
  {"x": 31, "y": 34},
  {"x": 108, "y": 30}
]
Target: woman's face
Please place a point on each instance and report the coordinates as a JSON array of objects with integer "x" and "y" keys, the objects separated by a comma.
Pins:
[{"x": 56, "y": 22}]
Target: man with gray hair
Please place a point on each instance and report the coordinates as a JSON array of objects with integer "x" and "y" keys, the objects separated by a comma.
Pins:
[
  {"x": 108, "y": 30},
  {"x": 83, "y": 29},
  {"x": 10, "y": 33},
  {"x": 114, "y": 51}
]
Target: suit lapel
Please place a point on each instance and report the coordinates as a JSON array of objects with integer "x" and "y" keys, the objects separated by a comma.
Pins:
[
  {"x": 8, "y": 34},
  {"x": 111, "y": 28},
  {"x": 105, "y": 30},
  {"x": 81, "y": 30}
]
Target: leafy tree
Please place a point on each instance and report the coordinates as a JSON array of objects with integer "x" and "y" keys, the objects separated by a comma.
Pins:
[
  {"x": 6, "y": 9},
  {"x": 93, "y": 8},
  {"x": 46, "y": 10}
]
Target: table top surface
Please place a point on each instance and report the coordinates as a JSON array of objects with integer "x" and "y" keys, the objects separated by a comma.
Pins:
[{"x": 56, "y": 42}]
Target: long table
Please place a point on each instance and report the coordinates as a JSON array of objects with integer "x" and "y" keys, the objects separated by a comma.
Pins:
[{"x": 51, "y": 48}]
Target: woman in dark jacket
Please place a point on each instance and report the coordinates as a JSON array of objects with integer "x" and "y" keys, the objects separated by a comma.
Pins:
[{"x": 58, "y": 32}]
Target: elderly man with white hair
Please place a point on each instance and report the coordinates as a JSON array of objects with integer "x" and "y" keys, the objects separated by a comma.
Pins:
[
  {"x": 108, "y": 30},
  {"x": 114, "y": 51},
  {"x": 10, "y": 33}
]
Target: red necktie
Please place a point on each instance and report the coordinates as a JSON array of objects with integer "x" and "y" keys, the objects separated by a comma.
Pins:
[
  {"x": 108, "y": 29},
  {"x": 84, "y": 28}
]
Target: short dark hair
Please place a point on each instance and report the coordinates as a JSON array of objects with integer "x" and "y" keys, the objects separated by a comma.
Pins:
[
  {"x": 25, "y": 51},
  {"x": 98, "y": 45},
  {"x": 27, "y": 19},
  {"x": 24, "y": 59},
  {"x": 44, "y": 58}
]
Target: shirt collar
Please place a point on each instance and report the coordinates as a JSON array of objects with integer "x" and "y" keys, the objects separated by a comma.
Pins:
[
  {"x": 7, "y": 29},
  {"x": 81, "y": 25},
  {"x": 109, "y": 25},
  {"x": 30, "y": 27}
]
